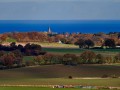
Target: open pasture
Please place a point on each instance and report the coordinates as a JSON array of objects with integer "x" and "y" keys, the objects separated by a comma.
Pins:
[{"x": 78, "y": 51}]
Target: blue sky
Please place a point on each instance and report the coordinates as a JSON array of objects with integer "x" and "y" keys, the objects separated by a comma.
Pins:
[{"x": 59, "y": 9}]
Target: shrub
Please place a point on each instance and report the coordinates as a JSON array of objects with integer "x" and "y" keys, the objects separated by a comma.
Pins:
[
  {"x": 114, "y": 76},
  {"x": 105, "y": 76},
  {"x": 70, "y": 77},
  {"x": 103, "y": 88},
  {"x": 29, "y": 63}
]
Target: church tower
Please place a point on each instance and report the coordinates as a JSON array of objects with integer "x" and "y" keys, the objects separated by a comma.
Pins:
[{"x": 49, "y": 30}]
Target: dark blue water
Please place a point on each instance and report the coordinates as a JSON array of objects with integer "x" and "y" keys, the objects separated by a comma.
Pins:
[{"x": 91, "y": 26}]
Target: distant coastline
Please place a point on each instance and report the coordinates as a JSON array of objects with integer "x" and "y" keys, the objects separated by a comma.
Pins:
[{"x": 82, "y": 26}]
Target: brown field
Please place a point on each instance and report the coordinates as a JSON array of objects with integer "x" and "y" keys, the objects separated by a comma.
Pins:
[
  {"x": 58, "y": 75},
  {"x": 61, "y": 71}
]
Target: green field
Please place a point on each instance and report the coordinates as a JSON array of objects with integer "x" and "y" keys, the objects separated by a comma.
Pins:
[
  {"x": 39, "y": 88},
  {"x": 10, "y": 40},
  {"x": 61, "y": 81},
  {"x": 28, "y": 58},
  {"x": 78, "y": 51}
]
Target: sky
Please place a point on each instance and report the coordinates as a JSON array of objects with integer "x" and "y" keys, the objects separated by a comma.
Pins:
[{"x": 59, "y": 9}]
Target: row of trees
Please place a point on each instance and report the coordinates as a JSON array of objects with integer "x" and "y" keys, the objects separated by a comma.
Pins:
[
  {"x": 15, "y": 59},
  {"x": 65, "y": 38},
  {"x": 28, "y": 49},
  {"x": 87, "y": 57},
  {"x": 108, "y": 43}
]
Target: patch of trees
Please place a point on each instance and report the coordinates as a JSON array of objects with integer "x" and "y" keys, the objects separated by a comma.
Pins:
[
  {"x": 85, "y": 43},
  {"x": 10, "y": 59},
  {"x": 87, "y": 57},
  {"x": 12, "y": 56},
  {"x": 27, "y": 50},
  {"x": 108, "y": 43}
]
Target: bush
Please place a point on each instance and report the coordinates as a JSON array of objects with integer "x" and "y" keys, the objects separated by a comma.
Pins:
[
  {"x": 70, "y": 77},
  {"x": 29, "y": 63},
  {"x": 114, "y": 76},
  {"x": 104, "y": 76}
]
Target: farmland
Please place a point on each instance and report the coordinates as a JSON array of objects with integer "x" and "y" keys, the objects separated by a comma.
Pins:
[{"x": 58, "y": 74}]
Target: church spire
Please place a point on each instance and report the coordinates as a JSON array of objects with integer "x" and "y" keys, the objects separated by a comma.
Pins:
[{"x": 49, "y": 30}]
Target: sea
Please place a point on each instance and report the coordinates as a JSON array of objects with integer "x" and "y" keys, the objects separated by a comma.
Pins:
[{"x": 60, "y": 26}]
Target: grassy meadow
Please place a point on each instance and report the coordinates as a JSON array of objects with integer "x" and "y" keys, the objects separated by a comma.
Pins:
[
  {"x": 39, "y": 88},
  {"x": 78, "y": 51}
]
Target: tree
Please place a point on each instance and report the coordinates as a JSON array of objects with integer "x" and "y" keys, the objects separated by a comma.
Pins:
[
  {"x": 63, "y": 40},
  {"x": 3, "y": 38},
  {"x": 70, "y": 59},
  {"x": 81, "y": 43},
  {"x": 108, "y": 59},
  {"x": 32, "y": 49},
  {"x": 48, "y": 58},
  {"x": 13, "y": 46},
  {"x": 100, "y": 59},
  {"x": 39, "y": 60},
  {"x": 117, "y": 58},
  {"x": 88, "y": 57},
  {"x": 17, "y": 53},
  {"x": 89, "y": 43},
  {"x": 2, "y": 53},
  {"x": 8, "y": 59},
  {"x": 110, "y": 43},
  {"x": 20, "y": 47}
]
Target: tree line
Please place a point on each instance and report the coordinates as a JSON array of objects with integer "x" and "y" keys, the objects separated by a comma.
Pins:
[
  {"x": 87, "y": 57},
  {"x": 67, "y": 38},
  {"x": 27, "y": 50},
  {"x": 12, "y": 56}
]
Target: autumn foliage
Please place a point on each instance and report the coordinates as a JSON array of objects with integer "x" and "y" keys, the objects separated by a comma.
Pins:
[{"x": 83, "y": 40}]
